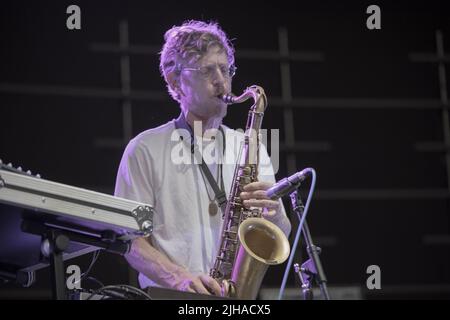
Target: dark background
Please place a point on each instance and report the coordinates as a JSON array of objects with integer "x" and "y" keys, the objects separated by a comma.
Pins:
[{"x": 365, "y": 115}]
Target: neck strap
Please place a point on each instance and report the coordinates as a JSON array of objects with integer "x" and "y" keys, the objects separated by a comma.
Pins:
[{"x": 219, "y": 193}]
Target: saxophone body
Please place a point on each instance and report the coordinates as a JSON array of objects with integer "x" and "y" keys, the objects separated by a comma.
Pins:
[{"x": 249, "y": 244}]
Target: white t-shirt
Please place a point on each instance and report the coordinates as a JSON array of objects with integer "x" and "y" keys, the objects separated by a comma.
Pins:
[{"x": 152, "y": 171}]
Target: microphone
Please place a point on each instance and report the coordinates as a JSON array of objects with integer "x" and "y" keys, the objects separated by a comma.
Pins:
[{"x": 287, "y": 185}]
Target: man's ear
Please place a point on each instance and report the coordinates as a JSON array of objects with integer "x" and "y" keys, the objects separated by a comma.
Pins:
[{"x": 173, "y": 80}]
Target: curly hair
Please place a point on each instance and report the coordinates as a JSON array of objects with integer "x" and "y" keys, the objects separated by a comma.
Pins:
[{"x": 189, "y": 42}]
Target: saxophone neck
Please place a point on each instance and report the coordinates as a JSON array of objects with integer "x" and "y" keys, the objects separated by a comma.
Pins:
[{"x": 254, "y": 92}]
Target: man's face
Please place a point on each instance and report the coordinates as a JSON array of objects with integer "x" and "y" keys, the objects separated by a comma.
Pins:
[{"x": 202, "y": 86}]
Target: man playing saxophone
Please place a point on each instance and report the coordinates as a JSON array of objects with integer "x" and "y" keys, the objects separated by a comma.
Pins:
[{"x": 197, "y": 63}]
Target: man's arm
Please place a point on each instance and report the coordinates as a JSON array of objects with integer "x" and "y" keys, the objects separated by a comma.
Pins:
[
  {"x": 156, "y": 266},
  {"x": 134, "y": 182}
]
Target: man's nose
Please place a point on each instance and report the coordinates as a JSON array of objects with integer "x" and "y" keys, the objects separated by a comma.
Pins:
[
  {"x": 219, "y": 80},
  {"x": 218, "y": 76}
]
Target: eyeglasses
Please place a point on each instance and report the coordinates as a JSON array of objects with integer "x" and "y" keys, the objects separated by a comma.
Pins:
[{"x": 208, "y": 71}]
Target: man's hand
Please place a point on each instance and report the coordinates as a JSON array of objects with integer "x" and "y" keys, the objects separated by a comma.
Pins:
[
  {"x": 254, "y": 195},
  {"x": 200, "y": 284}
]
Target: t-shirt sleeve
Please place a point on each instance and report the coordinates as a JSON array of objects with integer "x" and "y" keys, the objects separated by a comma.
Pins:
[{"x": 134, "y": 177}]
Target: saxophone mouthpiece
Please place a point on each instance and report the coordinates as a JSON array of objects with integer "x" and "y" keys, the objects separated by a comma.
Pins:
[{"x": 228, "y": 98}]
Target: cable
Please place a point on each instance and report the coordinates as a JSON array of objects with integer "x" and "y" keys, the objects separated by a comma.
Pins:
[
  {"x": 120, "y": 291},
  {"x": 84, "y": 274},
  {"x": 137, "y": 291},
  {"x": 115, "y": 291},
  {"x": 297, "y": 236},
  {"x": 141, "y": 292},
  {"x": 95, "y": 280},
  {"x": 100, "y": 290},
  {"x": 94, "y": 259}
]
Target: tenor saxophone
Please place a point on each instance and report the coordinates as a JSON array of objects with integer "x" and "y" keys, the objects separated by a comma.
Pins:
[{"x": 249, "y": 244}]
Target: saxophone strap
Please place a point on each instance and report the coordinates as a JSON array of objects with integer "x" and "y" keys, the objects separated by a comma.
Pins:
[
  {"x": 219, "y": 193},
  {"x": 221, "y": 197}
]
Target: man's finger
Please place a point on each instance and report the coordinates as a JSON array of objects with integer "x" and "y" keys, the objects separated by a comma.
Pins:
[
  {"x": 269, "y": 204},
  {"x": 211, "y": 284},
  {"x": 186, "y": 286},
  {"x": 259, "y": 194},
  {"x": 189, "y": 289},
  {"x": 258, "y": 185},
  {"x": 198, "y": 286}
]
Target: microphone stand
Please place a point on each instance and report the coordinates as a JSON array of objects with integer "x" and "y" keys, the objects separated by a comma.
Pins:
[
  {"x": 304, "y": 282},
  {"x": 312, "y": 267}
]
